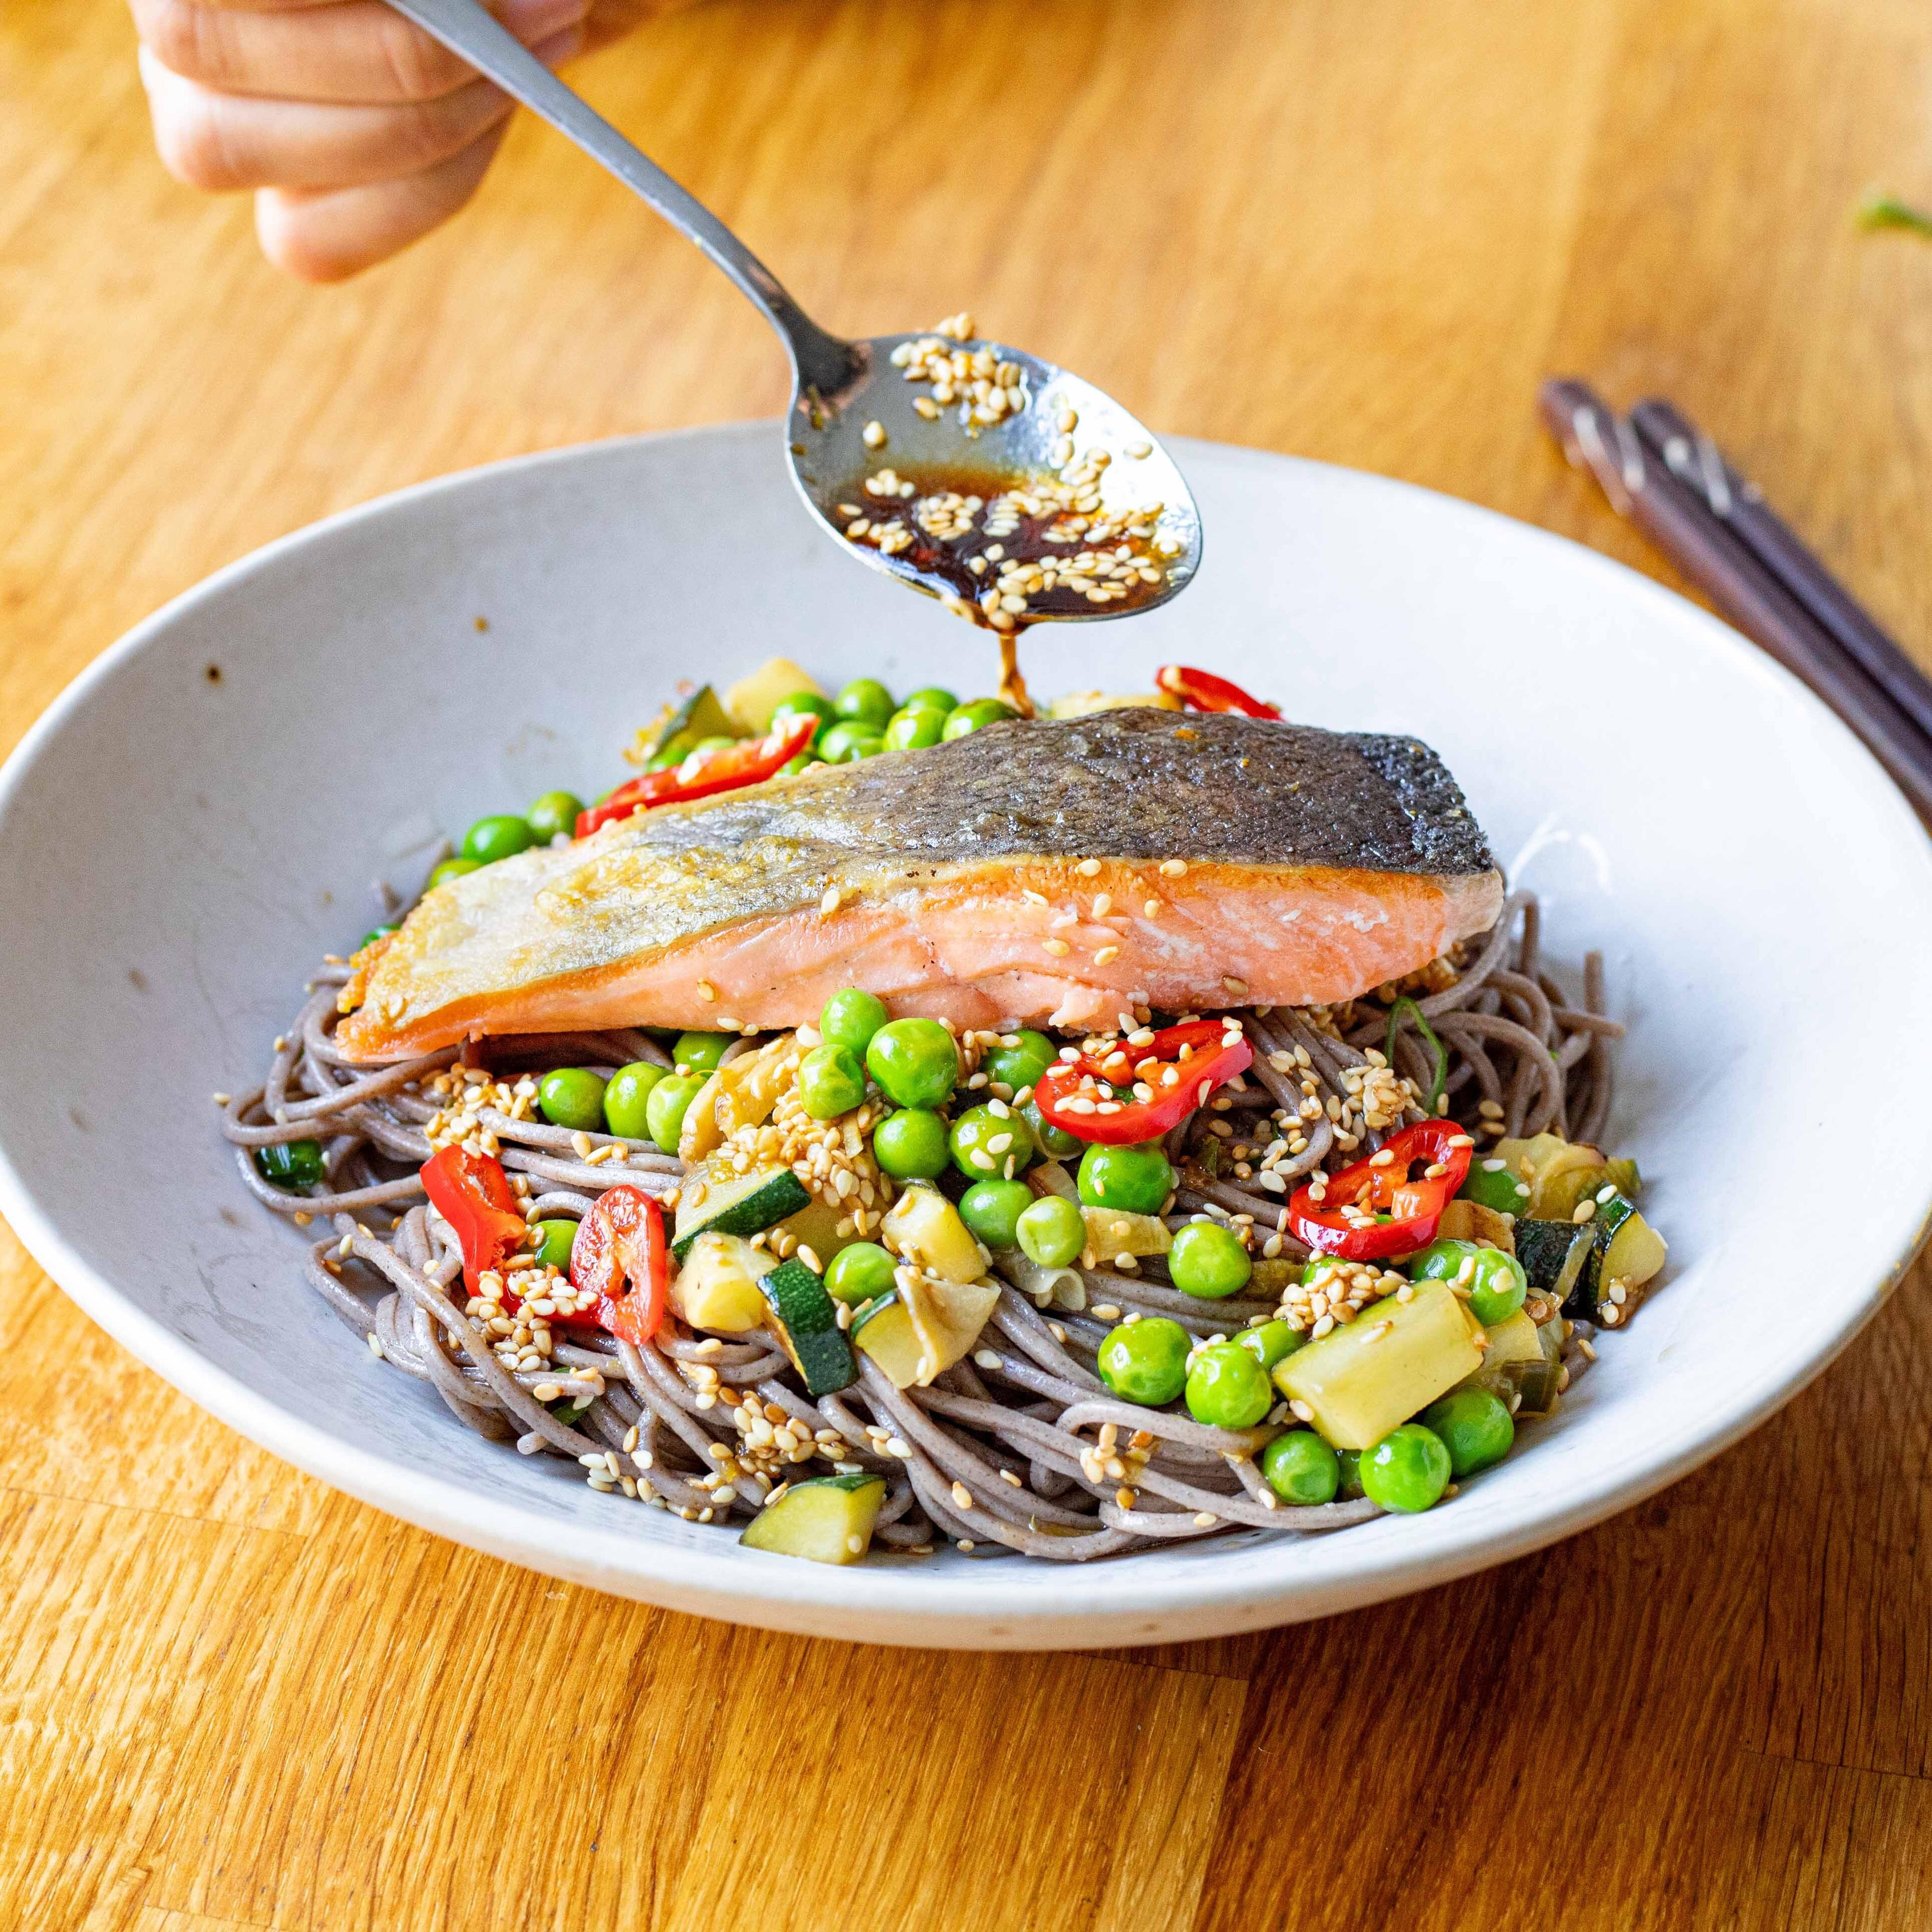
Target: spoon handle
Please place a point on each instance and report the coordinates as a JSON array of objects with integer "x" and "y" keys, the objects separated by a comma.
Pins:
[{"x": 819, "y": 361}]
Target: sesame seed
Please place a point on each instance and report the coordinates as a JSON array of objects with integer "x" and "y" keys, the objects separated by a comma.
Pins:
[
  {"x": 706, "y": 992},
  {"x": 873, "y": 436},
  {"x": 1088, "y": 868},
  {"x": 1173, "y": 868},
  {"x": 1058, "y": 948},
  {"x": 1106, "y": 955}
]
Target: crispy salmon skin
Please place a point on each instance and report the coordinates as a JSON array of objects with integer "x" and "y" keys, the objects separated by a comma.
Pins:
[{"x": 1029, "y": 872}]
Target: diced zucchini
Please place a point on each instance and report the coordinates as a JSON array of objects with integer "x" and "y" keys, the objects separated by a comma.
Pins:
[
  {"x": 1635, "y": 1253},
  {"x": 1465, "y": 1220},
  {"x": 1559, "y": 1199},
  {"x": 1553, "y": 1182},
  {"x": 716, "y": 1288},
  {"x": 1629, "y": 1182},
  {"x": 807, "y": 1322},
  {"x": 742, "y": 1092},
  {"x": 1515, "y": 1340},
  {"x": 1574, "y": 1263},
  {"x": 740, "y": 1204},
  {"x": 1111, "y": 1232},
  {"x": 1550, "y": 1253},
  {"x": 925, "y": 1228},
  {"x": 883, "y": 1331},
  {"x": 1360, "y": 1381},
  {"x": 753, "y": 699},
  {"x": 946, "y": 1316},
  {"x": 816, "y": 1226},
  {"x": 1516, "y": 1358},
  {"x": 828, "y": 1520},
  {"x": 700, "y": 715}
]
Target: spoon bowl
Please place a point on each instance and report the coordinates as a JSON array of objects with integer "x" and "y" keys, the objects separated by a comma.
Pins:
[
  {"x": 876, "y": 423},
  {"x": 856, "y": 405}
]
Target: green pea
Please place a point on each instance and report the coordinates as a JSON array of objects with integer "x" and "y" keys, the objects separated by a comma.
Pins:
[
  {"x": 1496, "y": 1282},
  {"x": 801, "y": 701},
  {"x": 991, "y": 1211},
  {"x": 792, "y": 767},
  {"x": 930, "y": 698},
  {"x": 1493, "y": 1183},
  {"x": 1146, "y": 1361},
  {"x": 1475, "y": 1428},
  {"x": 452, "y": 868},
  {"x": 1351, "y": 1461},
  {"x": 1301, "y": 1468},
  {"x": 867, "y": 700},
  {"x": 1208, "y": 1259},
  {"x": 850, "y": 1018},
  {"x": 1052, "y": 1232},
  {"x": 1272, "y": 1342},
  {"x": 910, "y": 1144},
  {"x": 664, "y": 1110},
  {"x": 987, "y": 1145},
  {"x": 499, "y": 836},
  {"x": 915, "y": 1062},
  {"x": 700, "y": 1052},
  {"x": 1227, "y": 1387},
  {"x": 1055, "y": 1141},
  {"x": 626, "y": 1097},
  {"x": 1020, "y": 1065},
  {"x": 554, "y": 1240},
  {"x": 1407, "y": 1471},
  {"x": 858, "y": 1273},
  {"x": 556, "y": 811},
  {"x": 846, "y": 744},
  {"x": 290, "y": 1164},
  {"x": 1135, "y": 1180},
  {"x": 375, "y": 933},
  {"x": 572, "y": 1097},
  {"x": 910, "y": 730},
  {"x": 831, "y": 1081},
  {"x": 975, "y": 716}
]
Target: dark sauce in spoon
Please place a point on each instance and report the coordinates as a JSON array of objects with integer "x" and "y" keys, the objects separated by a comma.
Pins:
[{"x": 1006, "y": 552}]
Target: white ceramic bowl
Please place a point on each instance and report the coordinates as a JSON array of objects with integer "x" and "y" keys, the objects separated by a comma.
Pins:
[{"x": 177, "y": 850}]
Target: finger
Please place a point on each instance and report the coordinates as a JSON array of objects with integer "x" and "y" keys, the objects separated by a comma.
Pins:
[
  {"x": 328, "y": 235},
  {"x": 354, "y": 52},
  {"x": 220, "y": 142}
]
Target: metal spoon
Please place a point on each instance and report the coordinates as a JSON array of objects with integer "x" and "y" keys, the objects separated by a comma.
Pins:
[{"x": 840, "y": 389}]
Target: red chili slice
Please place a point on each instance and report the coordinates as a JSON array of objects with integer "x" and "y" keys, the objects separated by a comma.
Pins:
[
  {"x": 1343, "y": 1221},
  {"x": 727, "y": 769},
  {"x": 622, "y": 1240},
  {"x": 1068, "y": 1089},
  {"x": 1202, "y": 690},
  {"x": 473, "y": 1193}
]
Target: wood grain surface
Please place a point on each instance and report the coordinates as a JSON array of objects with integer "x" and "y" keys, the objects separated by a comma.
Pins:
[{"x": 1358, "y": 229}]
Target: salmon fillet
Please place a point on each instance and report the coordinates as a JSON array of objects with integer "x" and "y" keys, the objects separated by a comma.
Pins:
[{"x": 1028, "y": 873}]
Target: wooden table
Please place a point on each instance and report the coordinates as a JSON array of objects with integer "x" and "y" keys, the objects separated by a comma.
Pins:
[{"x": 1360, "y": 232}]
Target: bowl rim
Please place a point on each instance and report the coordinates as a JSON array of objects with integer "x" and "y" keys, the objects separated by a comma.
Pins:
[{"x": 1053, "y": 1607}]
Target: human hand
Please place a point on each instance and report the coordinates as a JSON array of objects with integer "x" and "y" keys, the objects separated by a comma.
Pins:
[{"x": 358, "y": 133}]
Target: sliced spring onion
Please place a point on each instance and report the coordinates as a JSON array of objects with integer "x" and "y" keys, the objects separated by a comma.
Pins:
[{"x": 1428, "y": 1033}]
